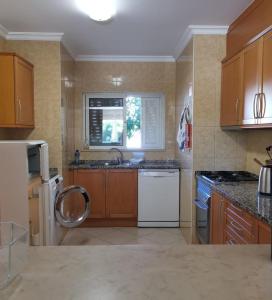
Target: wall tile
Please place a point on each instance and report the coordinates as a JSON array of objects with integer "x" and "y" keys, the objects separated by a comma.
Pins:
[
  {"x": 137, "y": 77},
  {"x": 204, "y": 142},
  {"x": 45, "y": 56},
  {"x": 67, "y": 111}
]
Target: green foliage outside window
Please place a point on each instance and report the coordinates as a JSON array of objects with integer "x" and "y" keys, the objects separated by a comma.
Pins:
[{"x": 133, "y": 115}]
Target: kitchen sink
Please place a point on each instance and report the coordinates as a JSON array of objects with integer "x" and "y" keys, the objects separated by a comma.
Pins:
[{"x": 112, "y": 163}]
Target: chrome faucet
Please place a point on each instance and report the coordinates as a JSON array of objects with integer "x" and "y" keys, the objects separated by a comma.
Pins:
[{"x": 119, "y": 159}]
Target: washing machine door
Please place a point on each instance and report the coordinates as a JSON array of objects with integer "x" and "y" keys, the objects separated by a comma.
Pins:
[{"x": 75, "y": 196}]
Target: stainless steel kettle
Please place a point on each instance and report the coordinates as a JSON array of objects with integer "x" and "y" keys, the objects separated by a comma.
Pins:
[{"x": 265, "y": 180}]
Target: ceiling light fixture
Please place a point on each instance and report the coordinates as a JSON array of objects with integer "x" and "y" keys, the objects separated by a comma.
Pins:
[{"x": 98, "y": 10}]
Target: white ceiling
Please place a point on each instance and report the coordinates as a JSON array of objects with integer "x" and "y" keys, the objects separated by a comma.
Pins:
[{"x": 140, "y": 28}]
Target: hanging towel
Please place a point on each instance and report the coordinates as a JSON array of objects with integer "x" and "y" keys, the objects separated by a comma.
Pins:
[{"x": 184, "y": 119}]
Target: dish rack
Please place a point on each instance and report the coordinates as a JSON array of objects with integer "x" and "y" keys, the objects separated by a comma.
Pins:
[{"x": 13, "y": 251}]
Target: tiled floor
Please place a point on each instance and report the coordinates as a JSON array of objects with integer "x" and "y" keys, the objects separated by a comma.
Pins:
[{"x": 124, "y": 236}]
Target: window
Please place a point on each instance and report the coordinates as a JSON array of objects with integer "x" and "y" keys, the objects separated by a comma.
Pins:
[{"x": 132, "y": 121}]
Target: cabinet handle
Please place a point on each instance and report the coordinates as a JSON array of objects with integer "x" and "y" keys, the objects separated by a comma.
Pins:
[
  {"x": 237, "y": 208},
  {"x": 20, "y": 108},
  {"x": 263, "y": 104},
  {"x": 236, "y": 107},
  {"x": 236, "y": 226},
  {"x": 231, "y": 242},
  {"x": 254, "y": 106},
  {"x": 259, "y": 106}
]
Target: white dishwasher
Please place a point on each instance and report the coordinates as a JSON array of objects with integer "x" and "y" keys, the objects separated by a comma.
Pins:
[{"x": 158, "y": 198}]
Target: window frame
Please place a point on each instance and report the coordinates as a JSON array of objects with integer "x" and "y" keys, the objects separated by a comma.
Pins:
[{"x": 124, "y": 96}]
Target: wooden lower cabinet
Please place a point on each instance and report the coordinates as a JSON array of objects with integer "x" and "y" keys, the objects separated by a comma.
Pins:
[
  {"x": 240, "y": 225},
  {"x": 121, "y": 193},
  {"x": 233, "y": 225},
  {"x": 94, "y": 181},
  {"x": 265, "y": 233},
  {"x": 113, "y": 196},
  {"x": 217, "y": 219}
]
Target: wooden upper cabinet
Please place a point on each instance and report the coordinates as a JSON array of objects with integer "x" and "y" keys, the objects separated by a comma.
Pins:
[
  {"x": 256, "y": 19},
  {"x": 266, "y": 96},
  {"x": 121, "y": 194},
  {"x": 24, "y": 92},
  {"x": 16, "y": 92},
  {"x": 217, "y": 219},
  {"x": 231, "y": 97},
  {"x": 94, "y": 181},
  {"x": 252, "y": 61}
]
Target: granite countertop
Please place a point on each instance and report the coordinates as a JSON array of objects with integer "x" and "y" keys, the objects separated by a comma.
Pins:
[
  {"x": 139, "y": 272},
  {"x": 108, "y": 164},
  {"x": 244, "y": 194}
]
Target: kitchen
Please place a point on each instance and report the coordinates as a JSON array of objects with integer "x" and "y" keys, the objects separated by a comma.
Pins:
[{"x": 222, "y": 134}]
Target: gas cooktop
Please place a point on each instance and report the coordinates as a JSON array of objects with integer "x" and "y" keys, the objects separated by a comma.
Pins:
[{"x": 227, "y": 176}]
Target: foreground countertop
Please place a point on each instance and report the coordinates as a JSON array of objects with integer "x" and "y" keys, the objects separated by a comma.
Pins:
[
  {"x": 190, "y": 272},
  {"x": 106, "y": 164},
  {"x": 244, "y": 195}
]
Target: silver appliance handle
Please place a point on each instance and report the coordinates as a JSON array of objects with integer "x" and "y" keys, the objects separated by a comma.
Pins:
[
  {"x": 254, "y": 106},
  {"x": 159, "y": 174},
  {"x": 201, "y": 205},
  {"x": 66, "y": 221}
]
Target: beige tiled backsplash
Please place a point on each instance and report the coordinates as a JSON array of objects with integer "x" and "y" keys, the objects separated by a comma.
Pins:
[{"x": 137, "y": 77}]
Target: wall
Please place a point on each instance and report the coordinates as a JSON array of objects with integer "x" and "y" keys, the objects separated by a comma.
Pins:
[
  {"x": 257, "y": 141},
  {"x": 3, "y": 135},
  {"x": 184, "y": 82},
  {"x": 213, "y": 149},
  {"x": 137, "y": 77},
  {"x": 45, "y": 56},
  {"x": 67, "y": 110}
]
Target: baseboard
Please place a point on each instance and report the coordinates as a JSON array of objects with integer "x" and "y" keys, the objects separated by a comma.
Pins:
[
  {"x": 109, "y": 223},
  {"x": 186, "y": 224}
]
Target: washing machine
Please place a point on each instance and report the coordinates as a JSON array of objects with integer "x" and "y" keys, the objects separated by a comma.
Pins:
[{"x": 55, "y": 220}]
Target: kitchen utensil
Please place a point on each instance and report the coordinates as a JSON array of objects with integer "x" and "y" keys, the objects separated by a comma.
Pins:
[
  {"x": 269, "y": 151},
  {"x": 258, "y": 162},
  {"x": 268, "y": 162},
  {"x": 265, "y": 180}
]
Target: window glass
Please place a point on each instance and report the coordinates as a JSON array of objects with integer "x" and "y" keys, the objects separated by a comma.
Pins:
[
  {"x": 106, "y": 121},
  {"x": 133, "y": 120},
  {"x": 128, "y": 122}
]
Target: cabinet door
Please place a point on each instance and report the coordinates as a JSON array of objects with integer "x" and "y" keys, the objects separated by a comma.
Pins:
[
  {"x": 231, "y": 97},
  {"x": 24, "y": 92},
  {"x": 264, "y": 233},
  {"x": 7, "y": 108},
  {"x": 217, "y": 219},
  {"x": 252, "y": 59},
  {"x": 267, "y": 80},
  {"x": 94, "y": 182},
  {"x": 121, "y": 194}
]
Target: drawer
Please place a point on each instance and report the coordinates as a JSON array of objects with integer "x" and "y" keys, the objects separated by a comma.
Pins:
[
  {"x": 242, "y": 218},
  {"x": 231, "y": 238},
  {"x": 237, "y": 227}
]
